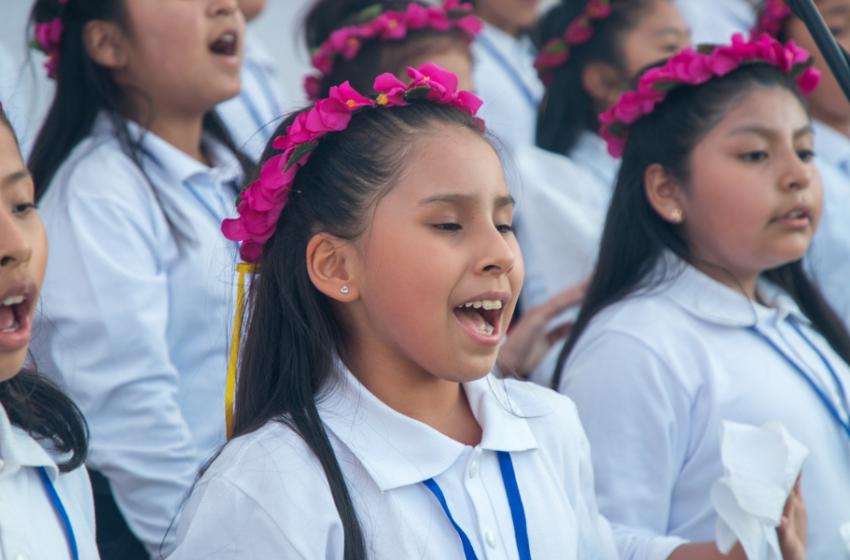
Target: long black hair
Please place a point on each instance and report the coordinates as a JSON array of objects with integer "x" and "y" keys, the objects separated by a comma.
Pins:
[
  {"x": 374, "y": 57},
  {"x": 289, "y": 357},
  {"x": 568, "y": 110},
  {"x": 635, "y": 236},
  {"x": 41, "y": 409},
  {"x": 84, "y": 90}
]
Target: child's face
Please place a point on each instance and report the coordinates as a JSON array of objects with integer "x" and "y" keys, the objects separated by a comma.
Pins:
[
  {"x": 23, "y": 256},
  {"x": 827, "y": 101},
  {"x": 439, "y": 240},
  {"x": 252, "y": 8},
  {"x": 509, "y": 15},
  {"x": 755, "y": 197},
  {"x": 660, "y": 33},
  {"x": 185, "y": 55}
]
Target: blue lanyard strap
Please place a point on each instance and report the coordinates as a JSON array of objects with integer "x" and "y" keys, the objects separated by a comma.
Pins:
[
  {"x": 817, "y": 388},
  {"x": 509, "y": 70},
  {"x": 60, "y": 511},
  {"x": 514, "y": 500}
]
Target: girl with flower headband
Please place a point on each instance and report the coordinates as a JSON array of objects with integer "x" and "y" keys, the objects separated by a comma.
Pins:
[
  {"x": 47, "y": 500},
  {"x": 134, "y": 172},
  {"x": 700, "y": 310},
  {"x": 590, "y": 51},
  {"x": 503, "y": 73},
  {"x": 829, "y": 257},
  {"x": 357, "y": 40},
  {"x": 366, "y": 424}
]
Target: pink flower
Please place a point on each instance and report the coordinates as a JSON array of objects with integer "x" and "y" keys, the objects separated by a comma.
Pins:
[
  {"x": 49, "y": 35},
  {"x": 392, "y": 25},
  {"x": 417, "y": 16},
  {"x": 554, "y": 53},
  {"x": 346, "y": 95},
  {"x": 328, "y": 115},
  {"x": 598, "y": 9},
  {"x": 313, "y": 87},
  {"x": 688, "y": 67},
  {"x": 469, "y": 102},
  {"x": 616, "y": 144},
  {"x": 443, "y": 83},
  {"x": 809, "y": 80},
  {"x": 391, "y": 88},
  {"x": 580, "y": 31}
]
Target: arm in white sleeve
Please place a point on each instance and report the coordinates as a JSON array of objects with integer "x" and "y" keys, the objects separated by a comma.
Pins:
[
  {"x": 106, "y": 296},
  {"x": 636, "y": 416}
]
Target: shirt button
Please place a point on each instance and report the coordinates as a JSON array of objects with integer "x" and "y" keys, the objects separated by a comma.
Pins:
[
  {"x": 490, "y": 537},
  {"x": 473, "y": 468}
]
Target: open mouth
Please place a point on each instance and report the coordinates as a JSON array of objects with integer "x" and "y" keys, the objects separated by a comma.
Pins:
[
  {"x": 482, "y": 317},
  {"x": 225, "y": 45},
  {"x": 799, "y": 216},
  {"x": 14, "y": 314}
]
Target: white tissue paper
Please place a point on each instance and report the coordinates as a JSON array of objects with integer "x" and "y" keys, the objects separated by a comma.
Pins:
[{"x": 760, "y": 468}]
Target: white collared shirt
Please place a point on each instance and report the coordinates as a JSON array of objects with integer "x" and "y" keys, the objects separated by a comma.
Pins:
[
  {"x": 134, "y": 323},
  {"x": 507, "y": 83},
  {"x": 30, "y": 528},
  {"x": 828, "y": 258},
  {"x": 654, "y": 375},
  {"x": 266, "y": 496},
  {"x": 254, "y": 114},
  {"x": 715, "y": 21}
]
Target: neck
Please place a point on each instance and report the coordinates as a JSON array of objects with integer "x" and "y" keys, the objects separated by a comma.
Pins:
[
  {"x": 840, "y": 124},
  {"x": 412, "y": 391},
  {"x": 181, "y": 129},
  {"x": 742, "y": 282},
  {"x": 499, "y": 23}
]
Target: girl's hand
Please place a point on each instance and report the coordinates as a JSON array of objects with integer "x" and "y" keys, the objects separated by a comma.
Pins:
[
  {"x": 529, "y": 341},
  {"x": 793, "y": 530}
]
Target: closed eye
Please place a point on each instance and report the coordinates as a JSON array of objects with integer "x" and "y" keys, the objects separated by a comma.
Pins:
[
  {"x": 450, "y": 227},
  {"x": 754, "y": 156},
  {"x": 23, "y": 209},
  {"x": 505, "y": 228}
]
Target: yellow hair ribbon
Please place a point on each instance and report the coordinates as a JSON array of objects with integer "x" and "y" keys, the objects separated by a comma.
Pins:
[{"x": 230, "y": 391}]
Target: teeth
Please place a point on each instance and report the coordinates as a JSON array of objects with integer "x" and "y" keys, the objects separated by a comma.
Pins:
[
  {"x": 228, "y": 38},
  {"x": 14, "y": 328},
  {"x": 483, "y": 304},
  {"x": 796, "y": 214},
  {"x": 487, "y": 330},
  {"x": 13, "y": 300}
]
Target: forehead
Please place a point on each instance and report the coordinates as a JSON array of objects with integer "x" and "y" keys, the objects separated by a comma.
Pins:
[
  {"x": 10, "y": 155},
  {"x": 834, "y": 7},
  {"x": 773, "y": 108}
]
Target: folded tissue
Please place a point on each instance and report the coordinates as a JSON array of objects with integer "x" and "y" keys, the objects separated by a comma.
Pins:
[{"x": 760, "y": 468}]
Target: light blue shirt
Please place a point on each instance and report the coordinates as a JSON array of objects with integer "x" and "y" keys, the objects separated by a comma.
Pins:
[
  {"x": 254, "y": 114},
  {"x": 654, "y": 375},
  {"x": 715, "y": 21},
  {"x": 828, "y": 259},
  {"x": 133, "y": 322}
]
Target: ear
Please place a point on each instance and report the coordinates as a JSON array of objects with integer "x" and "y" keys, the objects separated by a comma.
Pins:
[
  {"x": 664, "y": 194},
  {"x": 603, "y": 83},
  {"x": 330, "y": 261},
  {"x": 106, "y": 44}
]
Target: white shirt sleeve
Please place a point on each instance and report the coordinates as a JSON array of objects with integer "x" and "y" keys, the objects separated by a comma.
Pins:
[
  {"x": 266, "y": 496},
  {"x": 107, "y": 293},
  {"x": 637, "y": 419}
]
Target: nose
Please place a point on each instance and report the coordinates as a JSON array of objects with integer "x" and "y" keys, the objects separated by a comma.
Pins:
[
  {"x": 498, "y": 257},
  {"x": 15, "y": 249},
  {"x": 798, "y": 174},
  {"x": 224, "y": 7}
]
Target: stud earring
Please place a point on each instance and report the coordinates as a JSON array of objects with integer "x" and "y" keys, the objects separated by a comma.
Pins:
[
  {"x": 676, "y": 216},
  {"x": 344, "y": 289}
]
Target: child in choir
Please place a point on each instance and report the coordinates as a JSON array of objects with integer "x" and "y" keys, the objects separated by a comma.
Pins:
[
  {"x": 700, "y": 310},
  {"x": 254, "y": 114},
  {"x": 366, "y": 424},
  {"x": 504, "y": 72},
  {"x": 46, "y": 509},
  {"x": 357, "y": 40},
  {"x": 134, "y": 172},
  {"x": 829, "y": 257},
  {"x": 716, "y": 21}
]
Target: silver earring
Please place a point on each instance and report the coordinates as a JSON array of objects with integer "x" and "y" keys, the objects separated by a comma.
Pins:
[{"x": 344, "y": 289}]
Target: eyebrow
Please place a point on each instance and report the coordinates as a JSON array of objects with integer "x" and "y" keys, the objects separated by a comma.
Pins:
[
  {"x": 15, "y": 177},
  {"x": 464, "y": 199},
  {"x": 671, "y": 31},
  {"x": 769, "y": 132},
  {"x": 835, "y": 11}
]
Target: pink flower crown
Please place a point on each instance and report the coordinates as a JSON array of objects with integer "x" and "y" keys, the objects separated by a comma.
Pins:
[
  {"x": 695, "y": 67},
  {"x": 388, "y": 26},
  {"x": 261, "y": 203},
  {"x": 557, "y": 51},
  {"x": 771, "y": 15},
  {"x": 47, "y": 38}
]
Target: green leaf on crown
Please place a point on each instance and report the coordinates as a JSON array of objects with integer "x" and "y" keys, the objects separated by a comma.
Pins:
[
  {"x": 706, "y": 49},
  {"x": 299, "y": 153},
  {"x": 798, "y": 69},
  {"x": 618, "y": 129},
  {"x": 370, "y": 13},
  {"x": 416, "y": 93}
]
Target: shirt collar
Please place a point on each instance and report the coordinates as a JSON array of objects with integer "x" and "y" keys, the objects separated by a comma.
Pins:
[
  {"x": 708, "y": 299},
  {"x": 177, "y": 165},
  {"x": 832, "y": 146},
  {"x": 507, "y": 43},
  {"x": 18, "y": 449},
  {"x": 399, "y": 451},
  {"x": 592, "y": 151}
]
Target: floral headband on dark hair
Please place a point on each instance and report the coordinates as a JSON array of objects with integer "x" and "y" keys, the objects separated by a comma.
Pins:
[
  {"x": 557, "y": 51},
  {"x": 771, "y": 15},
  {"x": 388, "y": 26},
  {"x": 48, "y": 37},
  {"x": 696, "y": 67}
]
